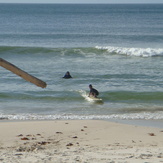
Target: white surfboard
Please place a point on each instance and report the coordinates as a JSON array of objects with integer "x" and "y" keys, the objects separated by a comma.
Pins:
[
  {"x": 91, "y": 98},
  {"x": 95, "y": 99}
]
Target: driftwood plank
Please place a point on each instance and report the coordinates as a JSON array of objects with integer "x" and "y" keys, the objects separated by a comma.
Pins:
[{"x": 21, "y": 73}]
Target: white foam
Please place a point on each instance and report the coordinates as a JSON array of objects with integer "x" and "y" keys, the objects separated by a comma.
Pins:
[
  {"x": 85, "y": 95},
  {"x": 134, "y": 116},
  {"x": 140, "y": 52}
]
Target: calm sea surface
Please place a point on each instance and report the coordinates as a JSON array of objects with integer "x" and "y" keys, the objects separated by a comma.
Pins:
[{"x": 116, "y": 48}]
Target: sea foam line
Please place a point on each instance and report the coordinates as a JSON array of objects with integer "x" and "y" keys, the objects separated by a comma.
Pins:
[
  {"x": 134, "y": 116},
  {"x": 139, "y": 52}
]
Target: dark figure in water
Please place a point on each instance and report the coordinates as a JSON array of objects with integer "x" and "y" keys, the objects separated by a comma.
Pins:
[
  {"x": 67, "y": 75},
  {"x": 93, "y": 92}
]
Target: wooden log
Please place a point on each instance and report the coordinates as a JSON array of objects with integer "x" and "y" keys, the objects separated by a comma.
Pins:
[{"x": 21, "y": 73}]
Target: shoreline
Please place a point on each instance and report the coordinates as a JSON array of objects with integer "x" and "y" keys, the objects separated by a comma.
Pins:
[
  {"x": 79, "y": 141},
  {"x": 135, "y": 122}
]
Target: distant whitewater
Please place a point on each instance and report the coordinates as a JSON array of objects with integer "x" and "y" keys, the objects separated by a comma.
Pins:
[{"x": 139, "y": 52}]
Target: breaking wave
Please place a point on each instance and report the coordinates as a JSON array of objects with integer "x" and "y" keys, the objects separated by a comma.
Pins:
[
  {"x": 139, "y": 52},
  {"x": 80, "y": 51}
]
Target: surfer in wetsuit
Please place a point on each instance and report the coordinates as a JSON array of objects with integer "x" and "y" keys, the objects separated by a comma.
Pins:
[
  {"x": 93, "y": 92},
  {"x": 67, "y": 75}
]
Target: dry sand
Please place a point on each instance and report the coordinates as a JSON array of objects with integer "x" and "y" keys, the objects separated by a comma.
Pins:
[{"x": 85, "y": 141}]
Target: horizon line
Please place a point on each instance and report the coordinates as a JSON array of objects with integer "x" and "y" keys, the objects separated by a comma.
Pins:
[{"x": 73, "y": 3}]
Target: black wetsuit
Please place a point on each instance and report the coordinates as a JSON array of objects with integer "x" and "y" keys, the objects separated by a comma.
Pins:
[
  {"x": 67, "y": 76},
  {"x": 94, "y": 92}
]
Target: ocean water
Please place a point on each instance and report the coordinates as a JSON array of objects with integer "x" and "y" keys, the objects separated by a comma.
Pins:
[{"x": 116, "y": 48}]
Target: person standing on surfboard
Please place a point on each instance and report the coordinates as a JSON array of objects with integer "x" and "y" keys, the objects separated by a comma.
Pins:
[{"x": 93, "y": 92}]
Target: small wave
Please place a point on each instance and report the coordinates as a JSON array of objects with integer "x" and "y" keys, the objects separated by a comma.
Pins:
[
  {"x": 20, "y": 50},
  {"x": 131, "y": 96},
  {"x": 138, "y": 52},
  {"x": 24, "y": 50},
  {"x": 86, "y": 52}
]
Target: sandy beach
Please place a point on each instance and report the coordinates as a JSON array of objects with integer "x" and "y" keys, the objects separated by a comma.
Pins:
[{"x": 75, "y": 141}]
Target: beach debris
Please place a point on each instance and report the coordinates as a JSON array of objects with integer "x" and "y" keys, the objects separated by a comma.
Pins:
[
  {"x": 18, "y": 154},
  {"x": 145, "y": 156},
  {"x": 20, "y": 135},
  {"x": 43, "y": 143},
  {"x": 25, "y": 138},
  {"x": 59, "y": 133},
  {"x": 82, "y": 129},
  {"x": 77, "y": 158},
  {"x": 151, "y": 134},
  {"x": 75, "y": 137},
  {"x": 85, "y": 127},
  {"x": 33, "y": 137},
  {"x": 131, "y": 156},
  {"x": 9, "y": 66},
  {"x": 69, "y": 144},
  {"x": 33, "y": 147},
  {"x": 160, "y": 155},
  {"x": 29, "y": 135}
]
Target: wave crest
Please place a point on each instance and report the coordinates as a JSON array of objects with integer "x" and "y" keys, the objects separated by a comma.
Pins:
[
  {"x": 139, "y": 52},
  {"x": 81, "y": 51}
]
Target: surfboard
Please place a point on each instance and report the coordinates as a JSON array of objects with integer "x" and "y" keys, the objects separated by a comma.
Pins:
[
  {"x": 95, "y": 99},
  {"x": 91, "y": 98}
]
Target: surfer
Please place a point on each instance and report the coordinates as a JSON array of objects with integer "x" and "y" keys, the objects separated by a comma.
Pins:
[
  {"x": 93, "y": 92},
  {"x": 67, "y": 75}
]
